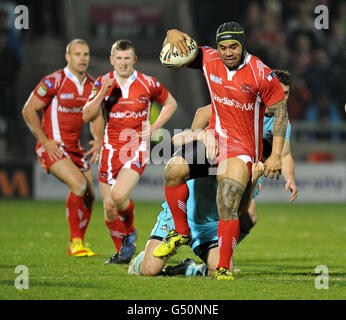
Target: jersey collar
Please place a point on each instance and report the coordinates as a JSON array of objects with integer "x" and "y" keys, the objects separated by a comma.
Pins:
[
  {"x": 231, "y": 73},
  {"x": 126, "y": 87},
  {"x": 74, "y": 79}
]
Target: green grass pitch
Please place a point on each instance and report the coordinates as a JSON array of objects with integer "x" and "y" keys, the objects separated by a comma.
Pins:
[{"x": 277, "y": 260}]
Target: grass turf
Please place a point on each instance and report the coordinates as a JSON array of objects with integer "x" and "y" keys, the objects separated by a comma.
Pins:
[{"x": 277, "y": 260}]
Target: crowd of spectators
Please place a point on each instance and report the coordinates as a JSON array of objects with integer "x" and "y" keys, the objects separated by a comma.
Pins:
[
  {"x": 10, "y": 62},
  {"x": 286, "y": 35},
  {"x": 282, "y": 33}
]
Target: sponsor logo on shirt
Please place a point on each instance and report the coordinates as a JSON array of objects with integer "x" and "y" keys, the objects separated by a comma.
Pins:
[
  {"x": 165, "y": 228},
  {"x": 128, "y": 114},
  {"x": 271, "y": 75},
  {"x": 93, "y": 92},
  {"x": 42, "y": 90},
  {"x": 103, "y": 175},
  {"x": 67, "y": 96},
  {"x": 48, "y": 83},
  {"x": 142, "y": 99},
  {"x": 246, "y": 88},
  {"x": 234, "y": 103},
  {"x": 215, "y": 79},
  {"x": 70, "y": 110},
  {"x": 230, "y": 87}
]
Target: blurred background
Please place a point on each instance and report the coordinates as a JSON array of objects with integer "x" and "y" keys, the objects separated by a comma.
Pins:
[{"x": 283, "y": 34}]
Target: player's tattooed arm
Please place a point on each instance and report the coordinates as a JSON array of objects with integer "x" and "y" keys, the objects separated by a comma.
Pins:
[
  {"x": 279, "y": 110},
  {"x": 228, "y": 197},
  {"x": 273, "y": 163}
]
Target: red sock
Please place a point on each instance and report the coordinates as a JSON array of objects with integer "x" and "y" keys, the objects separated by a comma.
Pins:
[
  {"x": 74, "y": 204},
  {"x": 176, "y": 198},
  {"x": 84, "y": 220},
  {"x": 127, "y": 216},
  {"x": 228, "y": 233},
  {"x": 116, "y": 230}
]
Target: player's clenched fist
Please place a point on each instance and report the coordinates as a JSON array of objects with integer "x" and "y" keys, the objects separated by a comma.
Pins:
[
  {"x": 106, "y": 85},
  {"x": 257, "y": 170},
  {"x": 211, "y": 145},
  {"x": 273, "y": 166}
]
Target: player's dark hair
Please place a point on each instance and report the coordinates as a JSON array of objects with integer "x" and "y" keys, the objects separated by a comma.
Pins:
[
  {"x": 123, "y": 45},
  {"x": 283, "y": 76}
]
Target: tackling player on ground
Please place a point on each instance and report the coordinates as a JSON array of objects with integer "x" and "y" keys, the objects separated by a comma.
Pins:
[
  {"x": 124, "y": 96},
  {"x": 61, "y": 96},
  {"x": 201, "y": 207},
  {"x": 241, "y": 87}
]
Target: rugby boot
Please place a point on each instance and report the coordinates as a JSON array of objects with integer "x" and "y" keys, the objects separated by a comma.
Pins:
[
  {"x": 114, "y": 259},
  {"x": 179, "y": 269},
  {"x": 77, "y": 249},
  {"x": 170, "y": 243},
  {"x": 223, "y": 274},
  {"x": 128, "y": 247}
]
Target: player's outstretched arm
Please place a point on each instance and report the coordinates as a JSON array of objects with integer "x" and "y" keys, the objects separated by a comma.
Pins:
[
  {"x": 288, "y": 168},
  {"x": 200, "y": 120},
  {"x": 273, "y": 163},
  {"x": 178, "y": 40},
  {"x": 31, "y": 117},
  {"x": 93, "y": 106}
]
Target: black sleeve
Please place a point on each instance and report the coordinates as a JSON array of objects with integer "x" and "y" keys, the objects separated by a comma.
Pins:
[{"x": 197, "y": 63}]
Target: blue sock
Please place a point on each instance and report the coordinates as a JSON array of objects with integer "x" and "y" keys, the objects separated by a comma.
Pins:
[{"x": 138, "y": 261}]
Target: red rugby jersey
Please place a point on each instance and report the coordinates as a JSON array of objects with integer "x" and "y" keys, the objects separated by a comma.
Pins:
[
  {"x": 65, "y": 97},
  {"x": 128, "y": 106},
  {"x": 239, "y": 98}
]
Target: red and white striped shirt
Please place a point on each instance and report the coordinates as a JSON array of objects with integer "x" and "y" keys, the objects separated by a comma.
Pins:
[
  {"x": 239, "y": 98},
  {"x": 65, "y": 97},
  {"x": 128, "y": 106}
]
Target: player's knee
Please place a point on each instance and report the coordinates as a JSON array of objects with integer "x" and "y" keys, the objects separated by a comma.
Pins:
[
  {"x": 79, "y": 186},
  {"x": 147, "y": 269},
  {"x": 175, "y": 172},
  {"x": 118, "y": 197},
  {"x": 228, "y": 198}
]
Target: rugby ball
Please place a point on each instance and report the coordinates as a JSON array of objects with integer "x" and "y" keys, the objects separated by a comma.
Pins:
[{"x": 174, "y": 60}]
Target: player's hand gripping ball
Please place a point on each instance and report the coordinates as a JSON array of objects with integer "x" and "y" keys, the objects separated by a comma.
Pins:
[{"x": 175, "y": 60}]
